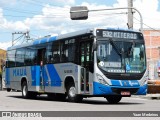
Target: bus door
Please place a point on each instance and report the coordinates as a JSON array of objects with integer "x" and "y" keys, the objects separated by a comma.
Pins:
[
  {"x": 41, "y": 61},
  {"x": 86, "y": 64}
]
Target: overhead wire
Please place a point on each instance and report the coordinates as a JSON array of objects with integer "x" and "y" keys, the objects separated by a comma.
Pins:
[
  {"x": 86, "y": 22},
  {"x": 147, "y": 25}
]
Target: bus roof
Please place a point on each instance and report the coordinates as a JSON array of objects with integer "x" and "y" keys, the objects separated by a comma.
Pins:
[
  {"x": 62, "y": 36},
  {"x": 50, "y": 39}
]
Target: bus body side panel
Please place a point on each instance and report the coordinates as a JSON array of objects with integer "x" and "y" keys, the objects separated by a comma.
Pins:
[
  {"x": 72, "y": 70},
  {"x": 30, "y": 73},
  {"x": 56, "y": 75},
  {"x": 14, "y": 76},
  {"x": 33, "y": 78},
  {"x": 7, "y": 78},
  {"x": 51, "y": 78}
]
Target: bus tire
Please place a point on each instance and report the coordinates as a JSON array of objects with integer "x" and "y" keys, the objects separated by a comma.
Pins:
[
  {"x": 8, "y": 89},
  {"x": 27, "y": 94},
  {"x": 71, "y": 93},
  {"x": 114, "y": 99}
]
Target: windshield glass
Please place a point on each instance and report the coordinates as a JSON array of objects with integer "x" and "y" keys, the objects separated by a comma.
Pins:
[{"x": 121, "y": 56}]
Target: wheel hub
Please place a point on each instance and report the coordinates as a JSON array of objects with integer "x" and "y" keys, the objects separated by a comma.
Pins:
[
  {"x": 24, "y": 90},
  {"x": 72, "y": 91}
]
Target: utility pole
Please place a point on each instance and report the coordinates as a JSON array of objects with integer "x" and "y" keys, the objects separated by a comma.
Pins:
[{"x": 130, "y": 14}]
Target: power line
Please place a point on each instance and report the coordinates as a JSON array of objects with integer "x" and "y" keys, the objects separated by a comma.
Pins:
[
  {"x": 58, "y": 15},
  {"x": 148, "y": 26},
  {"x": 55, "y": 16},
  {"x": 77, "y": 24},
  {"x": 21, "y": 11},
  {"x": 26, "y": 11}
]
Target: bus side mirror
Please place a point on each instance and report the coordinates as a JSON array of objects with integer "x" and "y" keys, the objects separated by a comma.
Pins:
[{"x": 79, "y": 13}]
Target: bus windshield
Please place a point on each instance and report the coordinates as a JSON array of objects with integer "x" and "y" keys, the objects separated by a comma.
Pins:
[{"x": 121, "y": 56}]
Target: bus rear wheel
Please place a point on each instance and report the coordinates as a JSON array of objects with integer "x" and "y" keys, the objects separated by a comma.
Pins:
[
  {"x": 114, "y": 99},
  {"x": 25, "y": 93},
  {"x": 71, "y": 93}
]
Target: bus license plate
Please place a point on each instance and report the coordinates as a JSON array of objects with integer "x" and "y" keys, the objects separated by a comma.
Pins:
[{"x": 125, "y": 93}]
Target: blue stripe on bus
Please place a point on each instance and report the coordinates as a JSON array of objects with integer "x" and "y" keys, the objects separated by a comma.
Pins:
[
  {"x": 100, "y": 89},
  {"x": 52, "y": 39},
  {"x": 126, "y": 83},
  {"x": 115, "y": 82},
  {"x": 55, "y": 79},
  {"x": 7, "y": 76},
  {"x": 142, "y": 90},
  {"x": 36, "y": 42},
  {"x": 44, "y": 40},
  {"x": 45, "y": 77},
  {"x": 35, "y": 74}
]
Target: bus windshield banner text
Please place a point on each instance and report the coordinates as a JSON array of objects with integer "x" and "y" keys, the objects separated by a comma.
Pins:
[{"x": 116, "y": 34}]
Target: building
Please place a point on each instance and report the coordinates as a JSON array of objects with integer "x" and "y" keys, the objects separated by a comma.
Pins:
[
  {"x": 152, "y": 41},
  {"x": 2, "y": 58}
]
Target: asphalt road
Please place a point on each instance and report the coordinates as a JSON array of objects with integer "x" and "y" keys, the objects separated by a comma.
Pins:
[{"x": 13, "y": 101}]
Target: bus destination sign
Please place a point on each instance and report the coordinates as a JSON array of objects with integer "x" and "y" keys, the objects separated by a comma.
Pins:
[{"x": 118, "y": 34}]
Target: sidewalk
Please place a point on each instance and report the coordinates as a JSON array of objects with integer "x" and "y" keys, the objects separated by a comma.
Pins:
[
  {"x": 148, "y": 96},
  {"x": 153, "y": 96}
]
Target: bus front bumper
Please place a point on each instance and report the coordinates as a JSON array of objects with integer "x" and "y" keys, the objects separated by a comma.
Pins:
[{"x": 101, "y": 89}]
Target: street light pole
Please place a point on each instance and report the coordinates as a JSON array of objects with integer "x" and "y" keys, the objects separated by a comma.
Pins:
[{"x": 141, "y": 19}]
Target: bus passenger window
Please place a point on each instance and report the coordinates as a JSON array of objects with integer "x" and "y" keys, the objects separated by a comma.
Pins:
[
  {"x": 56, "y": 58},
  {"x": 20, "y": 57},
  {"x": 30, "y": 56},
  {"x": 49, "y": 54},
  {"x": 11, "y": 58},
  {"x": 64, "y": 51},
  {"x": 67, "y": 50},
  {"x": 56, "y": 52}
]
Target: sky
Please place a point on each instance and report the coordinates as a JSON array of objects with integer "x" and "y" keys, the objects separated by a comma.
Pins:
[{"x": 52, "y": 17}]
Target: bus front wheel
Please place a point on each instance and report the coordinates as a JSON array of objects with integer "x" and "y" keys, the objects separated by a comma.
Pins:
[
  {"x": 71, "y": 93},
  {"x": 113, "y": 99},
  {"x": 25, "y": 93}
]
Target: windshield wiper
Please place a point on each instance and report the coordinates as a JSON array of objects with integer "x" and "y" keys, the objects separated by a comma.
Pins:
[{"x": 115, "y": 46}]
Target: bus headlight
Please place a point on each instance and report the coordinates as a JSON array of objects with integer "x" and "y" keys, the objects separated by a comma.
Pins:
[
  {"x": 101, "y": 79},
  {"x": 145, "y": 80}
]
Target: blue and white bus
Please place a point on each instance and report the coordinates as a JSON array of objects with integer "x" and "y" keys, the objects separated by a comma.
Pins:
[{"x": 109, "y": 63}]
